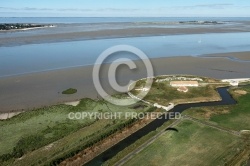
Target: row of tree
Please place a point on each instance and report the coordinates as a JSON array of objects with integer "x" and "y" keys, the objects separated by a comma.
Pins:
[{"x": 90, "y": 143}]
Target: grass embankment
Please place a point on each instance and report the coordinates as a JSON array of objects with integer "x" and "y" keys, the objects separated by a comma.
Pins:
[
  {"x": 194, "y": 144},
  {"x": 47, "y": 135}
]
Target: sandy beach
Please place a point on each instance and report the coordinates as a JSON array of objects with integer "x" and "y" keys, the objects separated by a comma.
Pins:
[{"x": 41, "y": 89}]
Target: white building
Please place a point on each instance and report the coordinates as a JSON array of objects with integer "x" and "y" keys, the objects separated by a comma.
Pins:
[
  {"x": 235, "y": 82},
  {"x": 166, "y": 108},
  {"x": 184, "y": 83}
]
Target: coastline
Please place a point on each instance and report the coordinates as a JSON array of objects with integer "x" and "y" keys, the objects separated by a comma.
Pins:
[{"x": 29, "y": 91}]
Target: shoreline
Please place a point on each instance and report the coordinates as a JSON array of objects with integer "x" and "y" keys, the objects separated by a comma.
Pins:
[{"x": 36, "y": 90}]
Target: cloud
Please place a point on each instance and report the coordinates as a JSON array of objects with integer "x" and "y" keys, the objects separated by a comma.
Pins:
[
  {"x": 40, "y": 9},
  {"x": 71, "y": 9},
  {"x": 215, "y": 5},
  {"x": 26, "y": 8},
  {"x": 118, "y": 9},
  {"x": 8, "y": 8},
  {"x": 211, "y": 6}
]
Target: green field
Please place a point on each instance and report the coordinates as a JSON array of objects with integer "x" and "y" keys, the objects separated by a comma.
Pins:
[
  {"x": 235, "y": 117},
  {"x": 194, "y": 144},
  {"x": 47, "y": 135}
]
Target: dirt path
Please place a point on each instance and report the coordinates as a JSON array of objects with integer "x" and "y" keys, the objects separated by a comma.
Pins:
[{"x": 236, "y": 133}]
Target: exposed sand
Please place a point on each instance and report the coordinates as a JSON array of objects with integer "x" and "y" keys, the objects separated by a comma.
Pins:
[
  {"x": 73, "y": 103},
  {"x": 240, "y": 92},
  {"x": 5, "y": 116},
  {"x": 48, "y": 37},
  {"x": 42, "y": 89}
]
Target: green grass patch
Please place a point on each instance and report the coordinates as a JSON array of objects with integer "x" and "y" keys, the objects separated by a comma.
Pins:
[
  {"x": 236, "y": 117},
  {"x": 163, "y": 93},
  {"x": 69, "y": 91}
]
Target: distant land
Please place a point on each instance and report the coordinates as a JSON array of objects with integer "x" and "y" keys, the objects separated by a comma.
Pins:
[{"x": 17, "y": 26}]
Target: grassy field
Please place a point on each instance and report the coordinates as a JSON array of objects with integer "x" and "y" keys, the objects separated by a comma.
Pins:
[
  {"x": 235, "y": 117},
  {"x": 194, "y": 144},
  {"x": 163, "y": 93},
  {"x": 46, "y": 134}
]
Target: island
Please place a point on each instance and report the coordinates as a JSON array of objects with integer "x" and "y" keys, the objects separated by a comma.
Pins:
[{"x": 17, "y": 26}]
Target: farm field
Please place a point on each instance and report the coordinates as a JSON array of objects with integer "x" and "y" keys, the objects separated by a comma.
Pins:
[{"x": 194, "y": 144}]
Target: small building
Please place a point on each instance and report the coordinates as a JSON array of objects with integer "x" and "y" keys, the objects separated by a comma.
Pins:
[
  {"x": 184, "y": 83},
  {"x": 183, "y": 89},
  {"x": 166, "y": 108},
  {"x": 234, "y": 83}
]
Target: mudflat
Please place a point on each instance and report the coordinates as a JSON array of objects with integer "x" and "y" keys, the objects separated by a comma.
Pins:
[
  {"x": 245, "y": 56},
  {"x": 43, "y": 89},
  {"x": 68, "y": 32}
]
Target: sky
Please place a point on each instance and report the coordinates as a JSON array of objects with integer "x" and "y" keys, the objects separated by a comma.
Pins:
[{"x": 125, "y": 8}]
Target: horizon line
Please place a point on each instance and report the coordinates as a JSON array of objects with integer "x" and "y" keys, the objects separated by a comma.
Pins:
[{"x": 130, "y": 17}]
